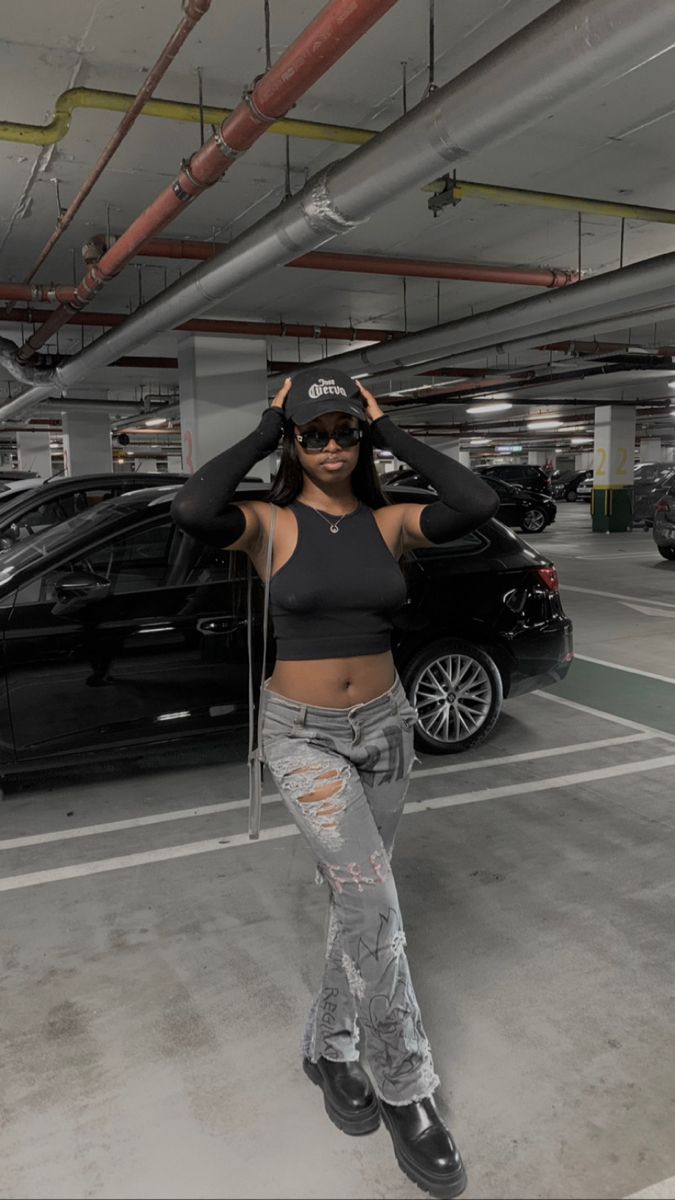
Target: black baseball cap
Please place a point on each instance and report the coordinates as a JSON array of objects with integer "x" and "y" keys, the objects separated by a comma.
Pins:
[{"x": 319, "y": 390}]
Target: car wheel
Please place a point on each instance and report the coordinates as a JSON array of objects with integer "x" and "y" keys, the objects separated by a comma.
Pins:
[
  {"x": 534, "y": 521},
  {"x": 667, "y": 552},
  {"x": 457, "y": 691},
  {"x": 571, "y": 496}
]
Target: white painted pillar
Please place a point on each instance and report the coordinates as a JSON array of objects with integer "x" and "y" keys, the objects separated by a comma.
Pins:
[
  {"x": 614, "y": 451},
  {"x": 34, "y": 453},
  {"x": 649, "y": 450},
  {"x": 87, "y": 444},
  {"x": 668, "y": 454},
  {"x": 583, "y": 461},
  {"x": 223, "y": 391},
  {"x": 537, "y": 458}
]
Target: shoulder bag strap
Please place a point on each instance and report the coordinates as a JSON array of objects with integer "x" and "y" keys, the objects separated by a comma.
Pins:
[{"x": 255, "y": 752}]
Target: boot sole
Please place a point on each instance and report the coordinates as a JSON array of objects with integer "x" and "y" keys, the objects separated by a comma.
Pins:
[
  {"x": 440, "y": 1189},
  {"x": 355, "y": 1125}
]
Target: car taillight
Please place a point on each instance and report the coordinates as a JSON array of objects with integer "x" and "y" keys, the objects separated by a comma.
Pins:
[
  {"x": 549, "y": 577},
  {"x": 662, "y": 505}
]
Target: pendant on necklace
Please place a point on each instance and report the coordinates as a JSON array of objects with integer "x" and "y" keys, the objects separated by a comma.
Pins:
[{"x": 335, "y": 528}]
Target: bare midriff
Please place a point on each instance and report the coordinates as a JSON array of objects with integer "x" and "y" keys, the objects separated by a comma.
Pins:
[{"x": 334, "y": 682}]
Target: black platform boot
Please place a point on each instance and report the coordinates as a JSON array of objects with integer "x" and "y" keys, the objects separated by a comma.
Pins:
[
  {"x": 348, "y": 1096},
  {"x": 424, "y": 1148}
]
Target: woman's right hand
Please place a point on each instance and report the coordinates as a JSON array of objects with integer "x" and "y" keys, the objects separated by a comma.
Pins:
[{"x": 280, "y": 398}]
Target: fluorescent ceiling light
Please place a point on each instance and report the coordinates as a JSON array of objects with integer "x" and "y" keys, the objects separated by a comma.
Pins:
[
  {"x": 488, "y": 408},
  {"x": 579, "y": 440},
  {"x": 479, "y": 442},
  {"x": 672, "y": 384},
  {"x": 156, "y": 421},
  {"x": 363, "y": 375},
  {"x": 534, "y": 425}
]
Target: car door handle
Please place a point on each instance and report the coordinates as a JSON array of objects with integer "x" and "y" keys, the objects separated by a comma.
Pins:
[{"x": 224, "y": 623}]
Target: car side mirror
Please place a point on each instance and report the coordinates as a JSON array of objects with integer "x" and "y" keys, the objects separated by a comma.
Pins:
[{"x": 77, "y": 590}]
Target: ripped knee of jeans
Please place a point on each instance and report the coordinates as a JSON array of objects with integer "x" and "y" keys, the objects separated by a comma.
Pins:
[{"x": 318, "y": 791}]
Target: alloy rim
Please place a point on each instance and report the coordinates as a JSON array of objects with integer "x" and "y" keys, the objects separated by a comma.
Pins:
[
  {"x": 534, "y": 520},
  {"x": 453, "y": 697}
]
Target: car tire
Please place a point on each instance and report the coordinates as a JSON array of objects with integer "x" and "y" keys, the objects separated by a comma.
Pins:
[
  {"x": 469, "y": 719},
  {"x": 571, "y": 496},
  {"x": 534, "y": 521},
  {"x": 667, "y": 552}
]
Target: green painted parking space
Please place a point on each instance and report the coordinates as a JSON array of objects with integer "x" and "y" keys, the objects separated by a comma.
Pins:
[{"x": 636, "y": 697}]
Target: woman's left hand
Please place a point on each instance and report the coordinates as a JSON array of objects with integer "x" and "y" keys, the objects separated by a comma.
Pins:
[{"x": 373, "y": 410}]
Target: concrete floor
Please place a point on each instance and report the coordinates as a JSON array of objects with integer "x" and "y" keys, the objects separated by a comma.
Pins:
[{"x": 155, "y": 975}]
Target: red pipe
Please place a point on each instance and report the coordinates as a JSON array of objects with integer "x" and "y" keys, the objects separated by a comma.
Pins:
[
  {"x": 319, "y": 46},
  {"x": 371, "y": 264},
  {"x": 29, "y": 291},
  {"x": 204, "y": 325},
  {"x": 194, "y": 11}
]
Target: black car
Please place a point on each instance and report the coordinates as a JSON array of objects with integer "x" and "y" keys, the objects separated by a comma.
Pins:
[
  {"x": 119, "y": 631},
  {"x": 663, "y": 527},
  {"x": 564, "y": 486},
  {"x": 58, "y": 499},
  {"x": 530, "y": 511},
  {"x": 520, "y": 474}
]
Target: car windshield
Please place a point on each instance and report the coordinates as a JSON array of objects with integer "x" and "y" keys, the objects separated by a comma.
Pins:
[{"x": 58, "y": 537}]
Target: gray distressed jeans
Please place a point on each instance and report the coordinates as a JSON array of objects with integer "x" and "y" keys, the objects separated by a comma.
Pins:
[{"x": 343, "y": 774}]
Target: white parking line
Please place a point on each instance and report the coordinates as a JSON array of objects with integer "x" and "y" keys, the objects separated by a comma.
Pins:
[
  {"x": 665, "y": 1190},
  {"x": 621, "y": 554},
  {"x": 122, "y": 862},
  {"x": 568, "y": 587},
  {"x": 602, "y": 662},
  {"x": 206, "y": 810},
  {"x": 607, "y": 716}
]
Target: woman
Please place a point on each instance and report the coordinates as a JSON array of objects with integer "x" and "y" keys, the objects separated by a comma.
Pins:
[{"x": 337, "y": 726}]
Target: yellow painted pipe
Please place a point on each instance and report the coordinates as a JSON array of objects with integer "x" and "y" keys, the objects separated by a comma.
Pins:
[
  {"x": 462, "y": 188},
  {"x": 169, "y": 110}
]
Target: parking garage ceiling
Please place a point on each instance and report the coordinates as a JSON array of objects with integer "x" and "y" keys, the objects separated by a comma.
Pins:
[{"x": 608, "y": 144}]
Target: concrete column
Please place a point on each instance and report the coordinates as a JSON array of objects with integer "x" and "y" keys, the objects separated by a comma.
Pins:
[
  {"x": 583, "y": 461},
  {"x": 650, "y": 450},
  {"x": 668, "y": 454},
  {"x": 465, "y": 458},
  {"x": 537, "y": 458},
  {"x": 223, "y": 391},
  {"x": 614, "y": 450},
  {"x": 174, "y": 463},
  {"x": 87, "y": 444},
  {"x": 34, "y": 453}
]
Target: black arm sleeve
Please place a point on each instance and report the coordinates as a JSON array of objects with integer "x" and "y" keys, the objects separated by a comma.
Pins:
[
  {"x": 466, "y": 501},
  {"x": 202, "y": 506}
]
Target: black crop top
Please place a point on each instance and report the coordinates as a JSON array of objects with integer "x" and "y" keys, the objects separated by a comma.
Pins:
[{"x": 335, "y": 596}]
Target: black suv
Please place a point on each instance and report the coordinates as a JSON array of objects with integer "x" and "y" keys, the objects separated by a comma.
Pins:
[
  {"x": 530, "y": 511},
  {"x": 58, "y": 499},
  {"x": 522, "y": 475},
  {"x": 564, "y": 484},
  {"x": 119, "y": 630}
]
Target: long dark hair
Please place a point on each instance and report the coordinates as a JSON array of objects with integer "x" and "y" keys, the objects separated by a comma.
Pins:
[{"x": 288, "y": 481}]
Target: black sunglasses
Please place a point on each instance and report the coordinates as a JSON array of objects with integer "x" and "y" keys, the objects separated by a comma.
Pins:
[{"x": 318, "y": 439}]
